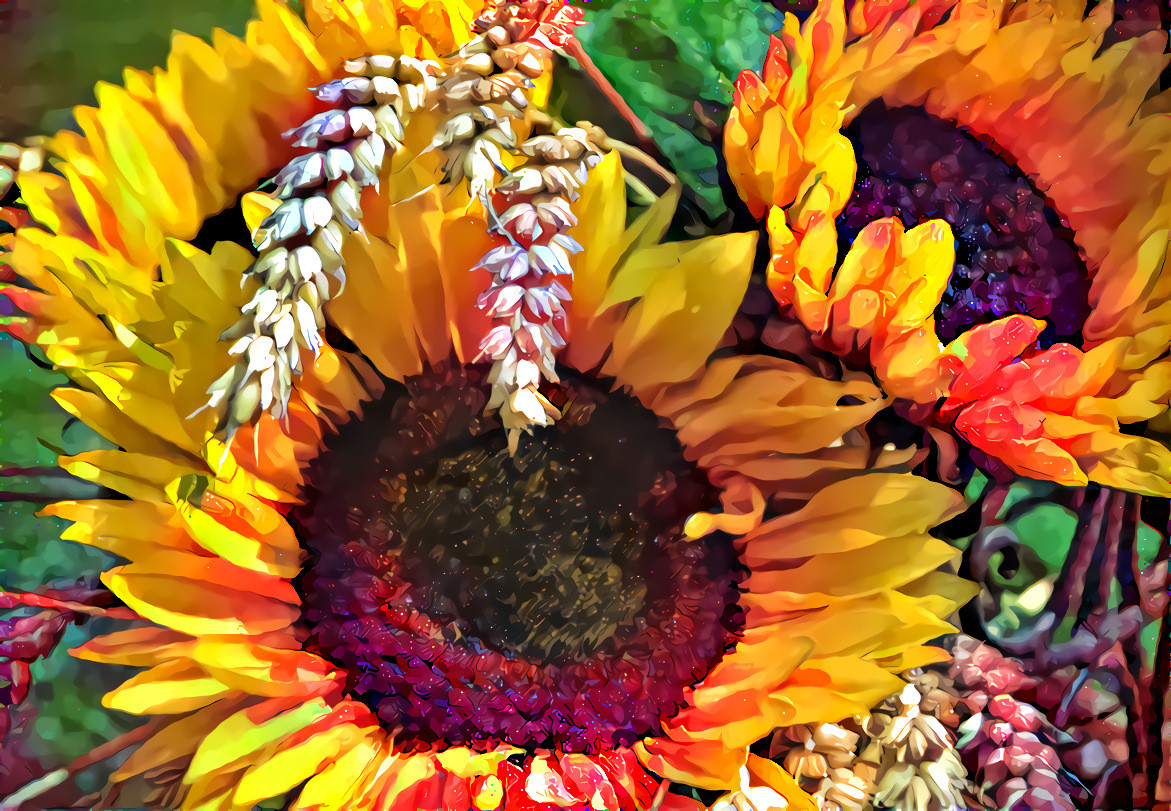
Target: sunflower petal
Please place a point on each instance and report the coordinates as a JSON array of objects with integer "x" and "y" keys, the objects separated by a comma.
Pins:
[
  {"x": 139, "y": 647},
  {"x": 249, "y": 730},
  {"x": 895, "y": 504},
  {"x": 687, "y": 293},
  {"x": 772, "y": 775},
  {"x": 290, "y": 766},
  {"x": 330, "y": 787},
  {"x": 703, "y": 764},
  {"x": 199, "y": 595},
  {"x": 173, "y": 742},
  {"x": 175, "y": 686}
]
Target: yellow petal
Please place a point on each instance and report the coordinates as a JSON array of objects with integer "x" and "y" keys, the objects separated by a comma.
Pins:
[
  {"x": 602, "y": 212},
  {"x": 886, "y": 564},
  {"x": 256, "y": 206},
  {"x": 154, "y": 177},
  {"x": 464, "y": 762},
  {"x": 687, "y": 294},
  {"x": 756, "y": 406},
  {"x": 172, "y": 687},
  {"x": 140, "y": 476},
  {"x": 290, "y": 766},
  {"x": 871, "y": 627},
  {"x": 397, "y": 781},
  {"x": 223, "y": 528},
  {"x": 831, "y": 688},
  {"x": 263, "y": 670},
  {"x": 173, "y": 742},
  {"x": 919, "y": 280},
  {"x": 1127, "y": 462},
  {"x": 130, "y": 529},
  {"x": 703, "y": 764},
  {"x": 202, "y": 595},
  {"x": 247, "y": 731},
  {"x": 336, "y": 782},
  {"x": 770, "y": 774},
  {"x": 895, "y": 505},
  {"x": 376, "y": 311}
]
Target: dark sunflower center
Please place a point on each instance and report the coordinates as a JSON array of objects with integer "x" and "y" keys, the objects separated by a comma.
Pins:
[
  {"x": 545, "y": 598},
  {"x": 1013, "y": 255}
]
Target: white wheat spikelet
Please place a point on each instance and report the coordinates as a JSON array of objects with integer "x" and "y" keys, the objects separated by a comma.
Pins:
[{"x": 299, "y": 267}]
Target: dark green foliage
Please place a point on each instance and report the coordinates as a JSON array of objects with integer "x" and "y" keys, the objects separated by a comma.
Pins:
[
  {"x": 1045, "y": 528},
  {"x": 58, "y": 49},
  {"x": 665, "y": 57},
  {"x": 68, "y": 718},
  {"x": 67, "y": 698},
  {"x": 31, "y": 424}
]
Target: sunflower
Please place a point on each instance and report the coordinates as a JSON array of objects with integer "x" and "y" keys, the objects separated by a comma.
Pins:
[
  {"x": 382, "y": 598},
  {"x": 972, "y": 198}
]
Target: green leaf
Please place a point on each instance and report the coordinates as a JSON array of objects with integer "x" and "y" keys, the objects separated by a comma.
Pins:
[
  {"x": 1038, "y": 526},
  {"x": 665, "y": 56}
]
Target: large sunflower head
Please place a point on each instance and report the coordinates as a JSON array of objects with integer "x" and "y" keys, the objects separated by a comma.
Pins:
[
  {"x": 972, "y": 199},
  {"x": 454, "y": 536}
]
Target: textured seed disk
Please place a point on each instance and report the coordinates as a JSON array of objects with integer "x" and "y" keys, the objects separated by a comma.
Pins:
[
  {"x": 544, "y": 598},
  {"x": 1013, "y": 255}
]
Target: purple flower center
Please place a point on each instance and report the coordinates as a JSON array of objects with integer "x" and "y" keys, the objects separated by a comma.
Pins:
[
  {"x": 545, "y": 599},
  {"x": 1013, "y": 254}
]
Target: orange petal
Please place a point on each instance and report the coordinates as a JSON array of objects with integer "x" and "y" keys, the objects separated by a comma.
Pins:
[
  {"x": 769, "y": 773},
  {"x": 703, "y": 764},
  {"x": 137, "y": 647},
  {"x": 733, "y": 704},
  {"x": 981, "y": 351},
  {"x": 200, "y": 595},
  {"x": 262, "y": 670}
]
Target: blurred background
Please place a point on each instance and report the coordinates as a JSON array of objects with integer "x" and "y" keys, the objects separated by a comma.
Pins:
[{"x": 53, "y": 51}]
